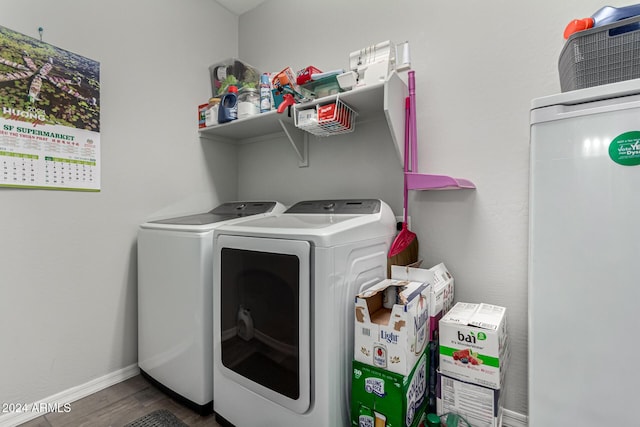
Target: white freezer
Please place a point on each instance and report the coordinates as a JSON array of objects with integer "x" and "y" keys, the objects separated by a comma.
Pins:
[{"x": 584, "y": 258}]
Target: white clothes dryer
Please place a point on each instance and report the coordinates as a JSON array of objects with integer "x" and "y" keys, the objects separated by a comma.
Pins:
[
  {"x": 284, "y": 291},
  {"x": 175, "y": 264}
]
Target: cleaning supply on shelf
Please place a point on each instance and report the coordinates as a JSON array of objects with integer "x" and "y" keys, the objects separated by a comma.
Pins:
[
  {"x": 603, "y": 16},
  {"x": 265, "y": 93},
  {"x": 211, "y": 113},
  {"x": 202, "y": 111},
  {"x": 284, "y": 83},
  {"x": 228, "y": 108},
  {"x": 248, "y": 102}
]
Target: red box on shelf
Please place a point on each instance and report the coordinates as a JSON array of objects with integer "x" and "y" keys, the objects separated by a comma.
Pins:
[
  {"x": 326, "y": 112},
  {"x": 334, "y": 114},
  {"x": 202, "y": 108},
  {"x": 304, "y": 75}
]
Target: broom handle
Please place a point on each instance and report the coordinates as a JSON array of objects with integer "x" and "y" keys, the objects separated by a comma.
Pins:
[{"x": 407, "y": 121}]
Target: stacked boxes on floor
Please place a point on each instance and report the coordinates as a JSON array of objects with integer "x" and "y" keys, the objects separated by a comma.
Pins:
[
  {"x": 383, "y": 398},
  {"x": 391, "y": 348},
  {"x": 441, "y": 303},
  {"x": 441, "y": 297},
  {"x": 474, "y": 353},
  {"x": 388, "y": 384}
]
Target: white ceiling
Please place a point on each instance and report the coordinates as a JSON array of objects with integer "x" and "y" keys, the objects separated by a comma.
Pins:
[{"x": 240, "y": 6}]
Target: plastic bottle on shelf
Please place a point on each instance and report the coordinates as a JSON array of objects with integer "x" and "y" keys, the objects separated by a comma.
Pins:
[
  {"x": 603, "y": 16},
  {"x": 228, "y": 108},
  {"x": 265, "y": 93},
  {"x": 248, "y": 102},
  {"x": 211, "y": 114}
]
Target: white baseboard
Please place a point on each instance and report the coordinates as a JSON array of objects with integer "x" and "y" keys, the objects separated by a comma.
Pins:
[
  {"x": 514, "y": 419},
  {"x": 13, "y": 419}
]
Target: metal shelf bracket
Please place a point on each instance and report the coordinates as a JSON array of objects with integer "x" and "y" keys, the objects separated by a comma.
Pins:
[{"x": 299, "y": 140}]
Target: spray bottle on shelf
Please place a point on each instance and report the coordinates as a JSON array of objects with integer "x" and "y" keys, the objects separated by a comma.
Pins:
[
  {"x": 265, "y": 93},
  {"x": 603, "y": 16},
  {"x": 228, "y": 108}
]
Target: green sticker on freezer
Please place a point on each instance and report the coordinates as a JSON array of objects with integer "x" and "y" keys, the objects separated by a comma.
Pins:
[{"x": 625, "y": 149}]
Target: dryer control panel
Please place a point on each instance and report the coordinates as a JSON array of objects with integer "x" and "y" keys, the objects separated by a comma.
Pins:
[{"x": 345, "y": 206}]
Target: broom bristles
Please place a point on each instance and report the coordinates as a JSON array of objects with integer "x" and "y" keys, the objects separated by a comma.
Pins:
[{"x": 406, "y": 256}]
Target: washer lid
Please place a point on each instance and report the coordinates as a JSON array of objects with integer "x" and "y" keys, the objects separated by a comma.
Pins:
[{"x": 225, "y": 211}]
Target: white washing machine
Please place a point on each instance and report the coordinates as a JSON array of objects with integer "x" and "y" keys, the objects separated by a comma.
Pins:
[
  {"x": 284, "y": 290},
  {"x": 175, "y": 263}
]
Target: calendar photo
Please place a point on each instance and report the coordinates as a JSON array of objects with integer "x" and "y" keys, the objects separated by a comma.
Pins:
[{"x": 50, "y": 121}]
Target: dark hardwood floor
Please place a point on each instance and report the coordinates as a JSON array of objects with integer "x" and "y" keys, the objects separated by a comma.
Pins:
[{"x": 118, "y": 405}]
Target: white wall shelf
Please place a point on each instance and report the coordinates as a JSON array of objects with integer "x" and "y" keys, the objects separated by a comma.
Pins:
[
  {"x": 262, "y": 127},
  {"x": 386, "y": 99}
]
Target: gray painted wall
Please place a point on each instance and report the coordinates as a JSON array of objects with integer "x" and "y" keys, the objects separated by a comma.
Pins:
[{"x": 68, "y": 302}]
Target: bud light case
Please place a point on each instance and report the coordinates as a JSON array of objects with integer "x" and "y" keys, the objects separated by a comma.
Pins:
[
  {"x": 383, "y": 398},
  {"x": 393, "y": 338},
  {"x": 474, "y": 345}
]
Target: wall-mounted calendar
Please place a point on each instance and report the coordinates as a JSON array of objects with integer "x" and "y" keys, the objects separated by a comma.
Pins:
[{"x": 50, "y": 116}]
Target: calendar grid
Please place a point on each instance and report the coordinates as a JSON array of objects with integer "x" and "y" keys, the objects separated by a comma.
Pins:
[{"x": 46, "y": 158}]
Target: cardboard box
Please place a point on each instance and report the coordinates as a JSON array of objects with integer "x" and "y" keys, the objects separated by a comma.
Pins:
[
  {"x": 480, "y": 406},
  {"x": 441, "y": 297},
  {"x": 327, "y": 113},
  {"x": 307, "y": 118},
  {"x": 380, "y": 397},
  {"x": 392, "y": 323},
  {"x": 473, "y": 344},
  {"x": 441, "y": 291}
]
